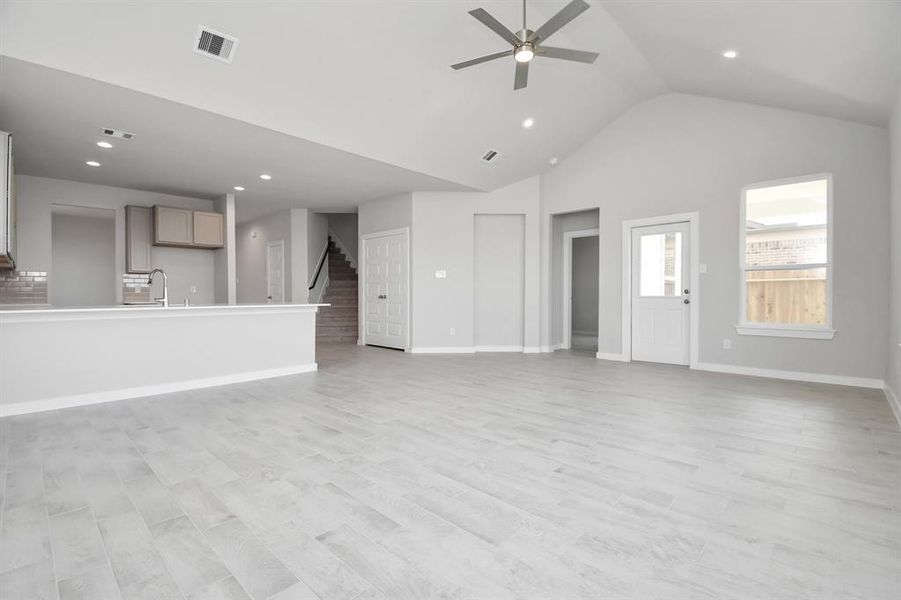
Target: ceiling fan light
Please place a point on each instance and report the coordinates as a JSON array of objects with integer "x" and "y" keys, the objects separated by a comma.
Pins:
[{"x": 524, "y": 53}]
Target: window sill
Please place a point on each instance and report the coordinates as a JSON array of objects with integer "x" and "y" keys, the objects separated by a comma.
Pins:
[{"x": 812, "y": 333}]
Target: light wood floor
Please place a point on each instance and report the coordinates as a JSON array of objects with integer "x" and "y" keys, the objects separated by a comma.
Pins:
[{"x": 391, "y": 476}]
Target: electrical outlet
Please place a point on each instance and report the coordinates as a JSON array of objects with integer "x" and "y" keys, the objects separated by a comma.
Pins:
[
  {"x": 453, "y": 331},
  {"x": 727, "y": 344},
  {"x": 441, "y": 274},
  {"x": 193, "y": 289}
]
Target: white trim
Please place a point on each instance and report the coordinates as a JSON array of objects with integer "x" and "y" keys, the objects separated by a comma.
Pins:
[
  {"x": 499, "y": 349},
  {"x": 343, "y": 247},
  {"x": 21, "y": 408},
  {"x": 568, "y": 237},
  {"x": 864, "y": 382},
  {"x": 533, "y": 350},
  {"x": 443, "y": 350},
  {"x": 361, "y": 286},
  {"x": 280, "y": 243},
  {"x": 821, "y": 332},
  {"x": 694, "y": 222},
  {"x": 893, "y": 402},
  {"x": 777, "y": 330},
  {"x": 615, "y": 356}
]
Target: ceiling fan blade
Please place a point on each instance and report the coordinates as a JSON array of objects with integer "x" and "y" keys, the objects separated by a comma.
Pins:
[
  {"x": 494, "y": 25},
  {"x": 481, "y": 59},
  {"x": 567, "y": 54},
  {"x": 522, "y": 75},
  {"x": 566, "y": 14}
]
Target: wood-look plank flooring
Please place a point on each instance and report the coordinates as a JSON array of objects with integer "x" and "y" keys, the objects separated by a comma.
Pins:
[{"x": 390, "y": 476}]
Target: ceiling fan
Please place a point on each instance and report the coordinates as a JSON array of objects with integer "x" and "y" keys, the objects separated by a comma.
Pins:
[{"x": 528, "y": 44}]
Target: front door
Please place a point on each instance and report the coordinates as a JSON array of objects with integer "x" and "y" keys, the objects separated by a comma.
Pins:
[
  {"x": 275, "y": 272},
  {"x": 385, "y": 291},
  {"x": 660, "y": 294}
]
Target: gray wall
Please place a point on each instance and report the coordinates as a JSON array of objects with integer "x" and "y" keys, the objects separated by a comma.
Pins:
[
  {"x": 679, "y": 153},
  {"x": 443, "y": 239},
  {"x": 893, "y": 370},
  {"x": 346, "y": 227},
  {"x": 84, "y": 252},
  {"x": 499, "y": 281},
  {"x": 383, "y": 214},
  {"x": 585, "y": 288},
  {"x": 37, "y": 195},
  {"x": 574, "y": 221},
  {"x": 317, "y": 239},
  {"x": 251, "y": 255}
]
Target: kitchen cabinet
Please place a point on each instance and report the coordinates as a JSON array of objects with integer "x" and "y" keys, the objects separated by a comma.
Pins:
[
  {"x": 138, "y": 238},
  {"x": 7, "y": 204},
  {"x": 173, "y": 226},
  {"x": 209, "y": 229}
]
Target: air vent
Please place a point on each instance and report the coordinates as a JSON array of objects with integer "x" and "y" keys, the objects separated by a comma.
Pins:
[
  {"x": 215, "y": 44},
  {"x": 491, "y": 156},
  {"x": 118, "y": 134}
]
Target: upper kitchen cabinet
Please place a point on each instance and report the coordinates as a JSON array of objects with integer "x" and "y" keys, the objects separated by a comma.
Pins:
[
  {"x": 173, "y": 226},
  {"x": 209, "y": 229},
  {"x": 138, "y": 239},
  {"x": 187, "y": 228},
  {"x": 7, "y": 204}
]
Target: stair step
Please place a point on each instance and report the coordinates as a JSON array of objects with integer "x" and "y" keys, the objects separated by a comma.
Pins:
[
  {"x": 342, "y": 283},
  {"x": 345, "y": 339}
]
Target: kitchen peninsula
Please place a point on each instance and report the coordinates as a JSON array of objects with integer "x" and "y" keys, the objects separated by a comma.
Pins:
[{"x": 61, "y": 357}]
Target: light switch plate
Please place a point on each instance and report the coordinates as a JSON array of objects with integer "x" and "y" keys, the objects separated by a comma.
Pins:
[
  {"x": 727, "y": 344},
  {"x": 702, "y": 268},
  {"x": 441, "y": 274}
]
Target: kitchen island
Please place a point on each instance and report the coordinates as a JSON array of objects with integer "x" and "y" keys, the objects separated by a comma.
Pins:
[{"x": 62, "y": 357}]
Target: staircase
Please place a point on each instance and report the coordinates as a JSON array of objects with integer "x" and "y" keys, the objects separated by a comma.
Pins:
[{"x": 338, "y": 322}]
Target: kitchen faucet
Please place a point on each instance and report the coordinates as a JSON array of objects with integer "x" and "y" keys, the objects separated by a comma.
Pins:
[{"x": 164, "y": 301}]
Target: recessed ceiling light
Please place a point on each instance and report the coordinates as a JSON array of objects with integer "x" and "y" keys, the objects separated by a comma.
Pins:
[
  {"x": 266, "y": 176},
  {"x": 730, "y": 54},
  {"x": 104, "y": 144},
  {"x": 238, "y": 188},
  {"x": 92, "y": 163},
  {"x": 528, "y": 122}
]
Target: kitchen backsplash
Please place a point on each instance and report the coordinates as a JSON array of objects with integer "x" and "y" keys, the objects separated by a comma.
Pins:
[
  {"x": 135, "y": 288},
  {"x": 23, "y": 287}
]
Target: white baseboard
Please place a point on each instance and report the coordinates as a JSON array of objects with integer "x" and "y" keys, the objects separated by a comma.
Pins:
[
  {"x": 44, "y": 404},
  {"x": 893, "y": 402},
  {"x": 864, "y": 382},
  {"x": 617, "y": 356},
  {"x": 533, "y": 350},
  {"x": 443, "y": 350},
  {"x": 586, "y": 333},
  {"x": 499, "y": 349}
]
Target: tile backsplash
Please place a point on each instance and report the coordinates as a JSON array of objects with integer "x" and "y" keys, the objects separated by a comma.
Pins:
[
  {"x": 135, "y": 288},
  {"x": 23, "y": 287}
]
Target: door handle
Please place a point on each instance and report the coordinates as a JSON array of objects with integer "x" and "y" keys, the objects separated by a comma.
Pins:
[
  {"x": 686, "y": 301},
  {"x": 383, "y": 296},
  {"x": 685, "y": 291}
]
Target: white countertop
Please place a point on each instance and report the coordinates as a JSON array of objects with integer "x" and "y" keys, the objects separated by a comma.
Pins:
[{"x": 51, "y": 313}]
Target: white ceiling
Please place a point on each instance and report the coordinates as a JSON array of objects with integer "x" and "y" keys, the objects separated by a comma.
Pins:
[
  {"x": 836, "y": 58},
  {"x": 317, "y": 85}
]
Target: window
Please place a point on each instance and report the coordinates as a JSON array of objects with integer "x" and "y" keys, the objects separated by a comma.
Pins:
[
  {"x": 786, "y": 254},
  {"x": 661, "y": 264}
]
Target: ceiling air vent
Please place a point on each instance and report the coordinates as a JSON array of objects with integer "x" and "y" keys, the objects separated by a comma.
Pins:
[
  {"x": 491, "y": 156},
  {"x": 214, "y": 44},
  {"x": 118, "y": 134}
]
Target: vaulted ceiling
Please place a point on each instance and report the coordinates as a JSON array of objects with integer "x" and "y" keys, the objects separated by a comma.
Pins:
[{"x": 347, "y": 100}]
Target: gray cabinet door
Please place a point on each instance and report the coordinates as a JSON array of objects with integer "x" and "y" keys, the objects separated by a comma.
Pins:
[
  {"x": 138, "y": 240},
  {"x": 208, "y": 229},
  {"x": 173, "y": 226}
]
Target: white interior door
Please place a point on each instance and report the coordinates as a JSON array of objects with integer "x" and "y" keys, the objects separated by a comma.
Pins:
[
  {"x": 275, "y": 272},
  {"x": 660, "y": 294},
  {"x": 385, "y": 291}
]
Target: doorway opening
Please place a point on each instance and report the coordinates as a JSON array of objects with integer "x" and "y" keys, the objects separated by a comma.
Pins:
[
  {"x": 575, "y": 281},
  {"x": 83, "y": 256}
]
